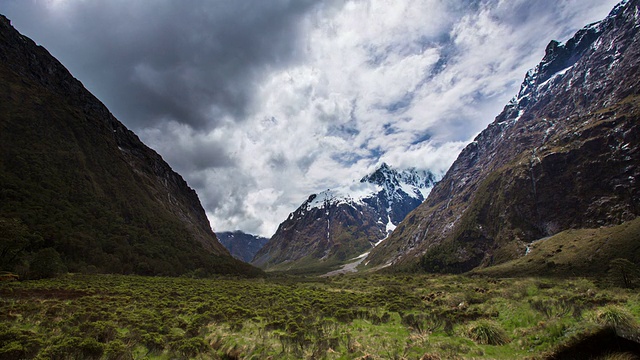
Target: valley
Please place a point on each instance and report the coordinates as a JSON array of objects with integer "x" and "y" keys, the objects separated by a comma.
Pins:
[
  {"x": 342, "y": 317},
  {"x": 527, "y": 247}
]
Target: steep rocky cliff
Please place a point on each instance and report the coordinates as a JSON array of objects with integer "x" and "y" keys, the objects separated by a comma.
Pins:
[
  {"x": 563, "y": 154},
  {"x": 336, "y": 225},
  {"x": 75, "y": 179}
]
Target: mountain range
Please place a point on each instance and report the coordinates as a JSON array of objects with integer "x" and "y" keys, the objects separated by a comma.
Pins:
[
  {"x": 335, "y": 225},
  {"x": 563, "y": 155},
  {"x": 555, "y": 174},
  {"x": 241, "y": 245}
]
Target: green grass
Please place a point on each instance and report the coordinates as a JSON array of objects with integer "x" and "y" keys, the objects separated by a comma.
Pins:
[
  {"x": 615, "y": 316},
  {"x": 487, "y": 332},
  {"x": 307, "y": 265},
  {"x": 344, "y": 317},
  {"x": 572, "y": 252}
]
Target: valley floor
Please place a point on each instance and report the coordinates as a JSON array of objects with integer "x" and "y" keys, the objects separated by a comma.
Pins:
[{"x": 341, "y": 317}]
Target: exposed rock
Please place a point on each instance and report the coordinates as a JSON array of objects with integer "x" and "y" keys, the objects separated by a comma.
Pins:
[
  {"x": 241, "y": 245},
  {"x": 564, "y": 153},
  {"x": 337, "y": 225}
]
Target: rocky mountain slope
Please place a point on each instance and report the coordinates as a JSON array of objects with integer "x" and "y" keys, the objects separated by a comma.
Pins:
[
  {"x": 563, "y": 154},
  {"x": 241, "y": 245},
  {"x": 336, "y": 225},
  {"x": 76, "y": 182}
]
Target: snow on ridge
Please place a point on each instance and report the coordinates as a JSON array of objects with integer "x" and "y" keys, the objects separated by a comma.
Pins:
[
  {"x": 353, "y": 194},
  {"x": 554, "y": 76},
  {"x": 394, "y": 184}
]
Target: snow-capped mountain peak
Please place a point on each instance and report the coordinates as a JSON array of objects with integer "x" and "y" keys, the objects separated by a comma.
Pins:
[
  {"x": 387, "y": 182},
  {"x": 412, "y": 182},
  {"x": 351, "y": 194},
  {"x": 346, "y": 221}
]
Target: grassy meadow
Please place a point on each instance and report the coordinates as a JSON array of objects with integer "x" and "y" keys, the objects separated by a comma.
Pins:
[{"x": 344, "y": 317}]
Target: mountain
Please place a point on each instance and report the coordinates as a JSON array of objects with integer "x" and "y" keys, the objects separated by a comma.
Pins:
[
  {"x": 336, "y": 225},
  {"x": 80, "y": 190},
  {"x": 241, "y": 245},
  {"x": 563, "y": 154}
]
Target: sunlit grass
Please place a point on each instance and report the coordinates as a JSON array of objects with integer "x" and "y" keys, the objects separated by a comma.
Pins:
[{"x": 345, "y": 317}]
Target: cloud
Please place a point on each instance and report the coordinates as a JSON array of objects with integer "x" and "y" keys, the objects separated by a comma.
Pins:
[
  {"x": 195, "y": 64},
  {"x": 260, "y": 103}
]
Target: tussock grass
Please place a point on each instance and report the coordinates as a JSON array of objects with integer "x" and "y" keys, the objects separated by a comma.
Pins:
[
  {"x": 487, "y": 332},
  {"x": 616, "y": 317},
  {"x": 343, "y": 317}
]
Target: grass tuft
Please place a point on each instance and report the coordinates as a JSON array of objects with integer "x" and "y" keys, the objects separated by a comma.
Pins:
[
  {"x": 615, "y": 317},
  {"x": 487, "y": 332}
]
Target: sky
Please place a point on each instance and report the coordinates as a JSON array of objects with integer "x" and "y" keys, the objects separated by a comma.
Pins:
[{"x": 260, "y": 103}]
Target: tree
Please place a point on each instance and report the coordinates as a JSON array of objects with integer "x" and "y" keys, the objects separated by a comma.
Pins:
[
  {"x": 46, "y": 264},
  {"x": 623, "y": 273},
  {"x": 13, "y": 242}
]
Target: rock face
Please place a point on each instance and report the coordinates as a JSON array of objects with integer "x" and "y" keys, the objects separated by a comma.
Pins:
[
  {"x": 241, "y": 245},
  {"x": 336, "y": 225},
  {"x": 563, "y": 154},
  {"x": 80, "y": 182}
]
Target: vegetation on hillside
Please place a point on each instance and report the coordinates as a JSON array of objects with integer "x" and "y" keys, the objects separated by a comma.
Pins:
[
  {"x": 66, "y": 187},
  {"x": 611, "y": 253}
]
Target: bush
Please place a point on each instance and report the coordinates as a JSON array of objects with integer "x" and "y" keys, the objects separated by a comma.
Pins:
[
  {"x": 18, "y": 344},
  {"x": 116, "y": 350},
  {"x": 90, "y": 348},
  {"x": 615, "y": 317},
  {"x": 13, "y": 242},
  {"x": 623, "y": 273},
  {"x": 487, "y": 332},
  {"x": 46, "y": 264}
]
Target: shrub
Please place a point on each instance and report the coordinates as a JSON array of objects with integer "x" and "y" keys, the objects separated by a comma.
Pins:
[
  {"x": 190, "y": 347},
  {"x": 154, "y": 342},
  {"x": 487, "y": 332},
  {"x": 90, "y": 348},
  {"x": 615, "y": 317},
  {"x": 13, "y": 241},
  {"x": 18, "y": 344},
  {"x": 46, "y": 264},
  {"x": 623, "y": 273},
  {"x": 116, "y": 350}
]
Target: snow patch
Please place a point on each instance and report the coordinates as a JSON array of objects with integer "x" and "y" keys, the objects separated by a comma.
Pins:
[
  {"x": 554, "y": 76},
  {"x": 390, "y": 226},
  {"x": 353, "y": 194}
]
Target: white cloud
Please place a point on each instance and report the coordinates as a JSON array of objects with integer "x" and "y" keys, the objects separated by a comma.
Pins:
[
  {"x": 367, "y": 90},
  {"x": 258, "y": 112}
]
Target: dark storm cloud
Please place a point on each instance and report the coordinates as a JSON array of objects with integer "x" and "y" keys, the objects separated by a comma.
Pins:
[
  {"x": 192, "y": 62},
  {"x": 259, "y": 103}
]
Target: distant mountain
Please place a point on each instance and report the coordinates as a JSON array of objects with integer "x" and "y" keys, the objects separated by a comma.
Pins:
[
  {"x": 79, "y": 190},
  {"x": 563, "y": 154},
  {"x": 336, "y": 225},
  {"x": 241, "y": 245}
]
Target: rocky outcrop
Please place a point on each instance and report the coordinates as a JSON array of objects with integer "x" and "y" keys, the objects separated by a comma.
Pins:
[
  {"x": 85, "y": 184},
  {"x": 563, "y": 154}
]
